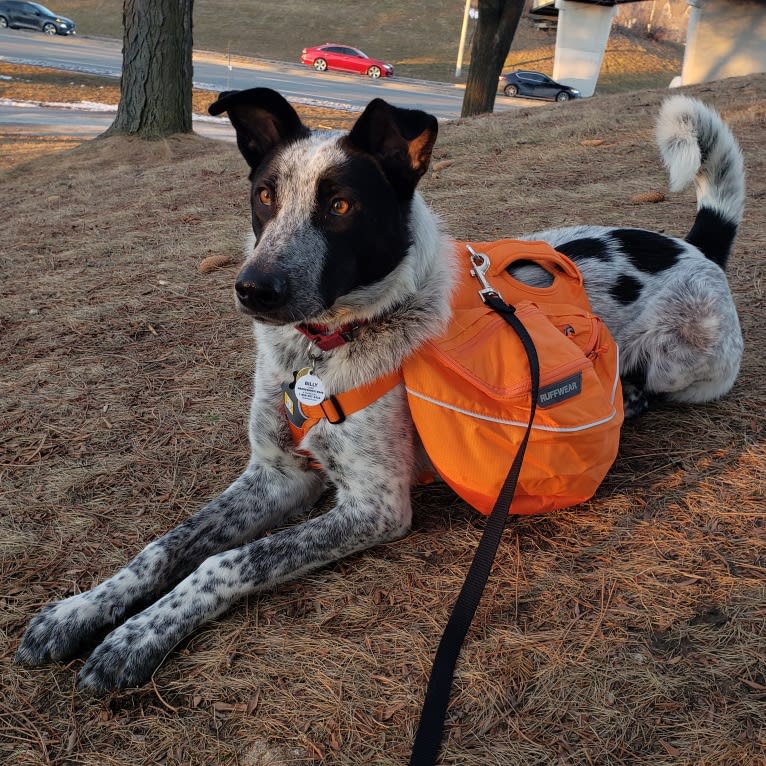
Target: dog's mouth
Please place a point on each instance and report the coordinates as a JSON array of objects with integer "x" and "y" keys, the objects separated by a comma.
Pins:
[
  {"x": 289, "y": 315},
  {"x": 267, "y": 318},
  {"x": 256, "y": 315},
  {"x": 282, "y": 318}
]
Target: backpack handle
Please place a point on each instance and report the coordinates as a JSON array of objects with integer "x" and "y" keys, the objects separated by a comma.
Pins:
[{"x": 535, "y": 251}]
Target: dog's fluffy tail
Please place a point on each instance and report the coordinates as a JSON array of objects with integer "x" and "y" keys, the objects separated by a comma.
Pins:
[{"x": 697, "y": 145}]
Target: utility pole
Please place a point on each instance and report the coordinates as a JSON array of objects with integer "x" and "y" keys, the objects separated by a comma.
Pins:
[{"x": 463, "y": 32}]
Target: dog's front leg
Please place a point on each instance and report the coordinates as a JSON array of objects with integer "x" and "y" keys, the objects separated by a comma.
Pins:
[
  {"x": 371, "y": 472},
  {"x": 272, "y": 489},
  {"x": 130, "y": 654}
]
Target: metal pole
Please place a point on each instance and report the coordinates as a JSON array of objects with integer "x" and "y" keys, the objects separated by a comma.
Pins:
[{"x": 463, "y": 31}]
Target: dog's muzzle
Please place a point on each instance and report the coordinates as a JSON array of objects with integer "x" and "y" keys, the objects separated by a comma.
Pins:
[{"x": 261, "y": 291}]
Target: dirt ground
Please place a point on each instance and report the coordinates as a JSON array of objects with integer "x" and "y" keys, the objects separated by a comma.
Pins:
[{"x": 628, "y": 630}]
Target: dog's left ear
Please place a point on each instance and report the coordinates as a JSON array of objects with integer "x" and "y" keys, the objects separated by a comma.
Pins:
[
  {"x": 400, "y": 139},
  {"x": 262, "y": 118}
]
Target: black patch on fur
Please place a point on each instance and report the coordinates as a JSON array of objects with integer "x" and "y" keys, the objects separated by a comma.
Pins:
[
  {"x": 367, "y": 243},
  {"x": 635, "y": 401},
  {"x": 636, "y": 376},
  {"x": 585, "y": 247},
  {"x": 647, "y": 250},
  {"x": 635, "y": 397},
  {"x": 713, "y": 235},
  {"x": 626, "y": 290},
  {"x": 261, "y": 177}
]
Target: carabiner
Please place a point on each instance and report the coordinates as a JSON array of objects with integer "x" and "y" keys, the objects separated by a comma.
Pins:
[{"x": 480, "y": 266}]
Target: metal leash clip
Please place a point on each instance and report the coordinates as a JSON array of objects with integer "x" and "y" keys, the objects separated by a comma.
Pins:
[{"x": 480, "y": 263}]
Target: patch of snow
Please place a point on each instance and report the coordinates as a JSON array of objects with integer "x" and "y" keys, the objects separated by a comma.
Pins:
[{"x": 82, "y": 106}]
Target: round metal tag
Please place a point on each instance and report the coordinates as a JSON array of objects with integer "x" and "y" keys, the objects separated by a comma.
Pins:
[{"x": 309, "y": 389}]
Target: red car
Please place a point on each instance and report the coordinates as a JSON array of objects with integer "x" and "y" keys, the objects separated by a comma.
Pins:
[{"x": 345, "y": 59}]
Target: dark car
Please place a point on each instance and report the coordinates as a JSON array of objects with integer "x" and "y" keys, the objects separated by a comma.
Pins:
[
  {"x": 535, "y": 85},
  {"x": 346, "y": 59},
  {"x": 18, "y": 14}
]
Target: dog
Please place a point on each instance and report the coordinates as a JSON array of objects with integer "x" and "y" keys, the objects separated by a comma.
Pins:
[{"x": 346, "y": 273}]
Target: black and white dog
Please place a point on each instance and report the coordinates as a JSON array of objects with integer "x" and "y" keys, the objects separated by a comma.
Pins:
[{"x": 345, "y": 249}]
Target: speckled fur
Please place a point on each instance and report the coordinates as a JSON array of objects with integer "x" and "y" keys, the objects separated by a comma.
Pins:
[{"x": 672, "y": 314}]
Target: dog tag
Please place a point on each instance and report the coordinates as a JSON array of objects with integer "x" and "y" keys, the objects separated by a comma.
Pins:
[{"x": 309, "y": 389}]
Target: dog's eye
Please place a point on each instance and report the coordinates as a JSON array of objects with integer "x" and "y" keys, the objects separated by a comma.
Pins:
[
  {"x": 340, "y": 206},
  {"x": 265, "y": 196}
]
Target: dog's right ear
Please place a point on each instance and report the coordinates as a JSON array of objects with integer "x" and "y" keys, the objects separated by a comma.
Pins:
[{"x": 262, "y": 119}]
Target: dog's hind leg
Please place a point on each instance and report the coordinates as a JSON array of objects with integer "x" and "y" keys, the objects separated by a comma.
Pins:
[{"x": 687, "y": 340}]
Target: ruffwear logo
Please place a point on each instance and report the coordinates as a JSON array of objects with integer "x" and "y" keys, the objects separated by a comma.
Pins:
[{"x": 560, "y": 391}]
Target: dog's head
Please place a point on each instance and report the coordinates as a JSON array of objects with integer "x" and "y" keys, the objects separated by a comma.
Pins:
[{"x": 331, "y": 213}]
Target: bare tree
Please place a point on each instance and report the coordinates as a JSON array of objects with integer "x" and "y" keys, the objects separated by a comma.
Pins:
[
  {"x": 492, "y": 40},
  {"x": 156, "y": 82}
]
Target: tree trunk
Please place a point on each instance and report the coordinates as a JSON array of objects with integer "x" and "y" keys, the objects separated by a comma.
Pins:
[
  {"x": 492, "y": 40},
  {"x": 156, "y": 82}
]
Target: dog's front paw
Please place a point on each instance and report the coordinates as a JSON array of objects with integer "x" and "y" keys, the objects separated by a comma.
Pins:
[
  {"x": 63, "y": 629},
  {"x": 127, "y": 657}
]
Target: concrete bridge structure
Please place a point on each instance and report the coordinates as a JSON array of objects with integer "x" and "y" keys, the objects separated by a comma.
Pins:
[{"x": 725, "y": 38}]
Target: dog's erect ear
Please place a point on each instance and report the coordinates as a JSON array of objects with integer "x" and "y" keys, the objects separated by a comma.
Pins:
[
  {"x": 400, "y": 139},
  {"x": 262, "y": 119}
]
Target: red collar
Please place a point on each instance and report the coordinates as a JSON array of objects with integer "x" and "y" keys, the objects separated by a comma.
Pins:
[{"x": 325, "y": 340}]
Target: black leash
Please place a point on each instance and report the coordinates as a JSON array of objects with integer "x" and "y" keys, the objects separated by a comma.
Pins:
[{"x": 431, "y": 727}]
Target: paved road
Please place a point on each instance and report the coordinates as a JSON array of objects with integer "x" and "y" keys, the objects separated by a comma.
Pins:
[
  {"x": 64, "y": 120},
  {"x": 215, "y": 72}
]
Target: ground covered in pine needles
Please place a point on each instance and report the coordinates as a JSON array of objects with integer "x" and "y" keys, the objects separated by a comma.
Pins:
[{"x": 628, "y": 630}]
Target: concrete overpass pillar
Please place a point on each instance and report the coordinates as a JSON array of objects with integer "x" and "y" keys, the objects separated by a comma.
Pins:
[
  {"x": 583, "y": 32},
  {"x": 725, "y": 38}
]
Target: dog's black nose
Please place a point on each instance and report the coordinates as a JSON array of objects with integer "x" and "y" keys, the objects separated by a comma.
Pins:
[{"x": 261, "y": 290}]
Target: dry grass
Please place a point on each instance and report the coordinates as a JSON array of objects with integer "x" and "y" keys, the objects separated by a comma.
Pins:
[{"x": 629, "y": 630}]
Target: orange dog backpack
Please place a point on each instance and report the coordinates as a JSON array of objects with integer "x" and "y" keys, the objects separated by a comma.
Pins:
[{"x": 469, "y": 390}]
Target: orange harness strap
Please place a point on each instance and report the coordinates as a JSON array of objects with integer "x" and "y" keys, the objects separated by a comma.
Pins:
[{"x": 337, "y": 408}]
